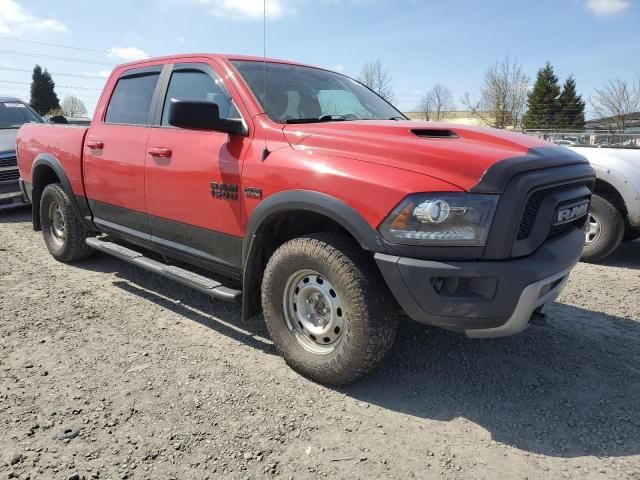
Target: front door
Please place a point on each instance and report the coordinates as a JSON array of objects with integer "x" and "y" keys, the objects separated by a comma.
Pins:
[
  {"x": 114, "y": 154},
  {"x": 193, "y": 177}
]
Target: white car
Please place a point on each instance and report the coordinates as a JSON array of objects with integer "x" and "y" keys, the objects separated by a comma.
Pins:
[{"x": 615, "y": 208}]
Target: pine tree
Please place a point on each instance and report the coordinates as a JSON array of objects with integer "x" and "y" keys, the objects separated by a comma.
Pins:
[
  {"x": 43, "y": 95},
  {"x": 543, "y": 100},
  {"x": 571, "y": 115}
]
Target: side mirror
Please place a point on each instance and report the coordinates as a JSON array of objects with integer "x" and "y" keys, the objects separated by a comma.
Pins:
[{"x": 201, "y": 115}]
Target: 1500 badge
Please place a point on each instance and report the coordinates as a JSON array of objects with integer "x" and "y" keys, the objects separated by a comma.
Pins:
[{"x": 226, "y": 191}]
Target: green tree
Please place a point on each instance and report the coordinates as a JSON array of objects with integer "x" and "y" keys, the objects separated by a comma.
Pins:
[
  {"x": 43, "y": 95},
  {"x": 571, "y": 114},
  {"x": 543, "y": 101}
]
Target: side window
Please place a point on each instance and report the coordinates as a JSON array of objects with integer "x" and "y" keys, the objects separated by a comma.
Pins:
[
  {"x": 131, "y": 99},
  {"x": 197, "y": 85}
]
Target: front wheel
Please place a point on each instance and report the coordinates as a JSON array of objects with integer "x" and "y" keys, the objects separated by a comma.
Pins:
[
  {"x": 64, "y": 233},
  {"x": 327, "y": 309},
  {"x": 605, "y": 230}
]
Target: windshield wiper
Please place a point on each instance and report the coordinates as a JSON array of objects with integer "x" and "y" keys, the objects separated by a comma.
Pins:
[{"x": 324, "y": 118}]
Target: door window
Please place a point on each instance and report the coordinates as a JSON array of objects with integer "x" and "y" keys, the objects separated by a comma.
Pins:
[
  {"x": 131, "y": 100},
  {"x": 197, "y": 85}
]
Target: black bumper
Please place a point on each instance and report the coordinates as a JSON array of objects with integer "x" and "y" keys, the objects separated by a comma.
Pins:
[{"x": 486, "y": 296}]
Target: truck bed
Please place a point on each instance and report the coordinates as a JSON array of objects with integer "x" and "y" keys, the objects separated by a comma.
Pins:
[{"x": 64, "y": 142}]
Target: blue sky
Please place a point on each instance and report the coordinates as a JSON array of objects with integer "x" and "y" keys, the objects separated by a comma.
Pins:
[{"x": 422, "y": 42}]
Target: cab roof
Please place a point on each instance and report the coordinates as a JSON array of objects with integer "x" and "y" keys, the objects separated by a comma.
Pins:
[{"x": 221, "y": 56}]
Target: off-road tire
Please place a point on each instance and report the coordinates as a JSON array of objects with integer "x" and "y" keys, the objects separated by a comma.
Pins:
[
  {"x": 370, "y": 322},
  {"x": 612, "y": 230},
  {"x": 73, "y": 247}
]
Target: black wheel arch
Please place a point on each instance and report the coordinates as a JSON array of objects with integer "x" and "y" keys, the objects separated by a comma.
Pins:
[
  {"x": 47, "y": 169},
  {"x": 310, "y": 212}
]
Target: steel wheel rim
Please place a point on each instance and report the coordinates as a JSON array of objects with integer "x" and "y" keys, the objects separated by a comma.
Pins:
[
  {"x": 57, "y": 227},
  {"x": 594, "y": 229},
  {"x": 313, "y": 311}
]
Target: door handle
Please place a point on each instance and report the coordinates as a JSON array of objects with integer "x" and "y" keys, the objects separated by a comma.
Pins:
[
  {"x": 160, "y": 152},
  {"x": 95, "y": 144}
]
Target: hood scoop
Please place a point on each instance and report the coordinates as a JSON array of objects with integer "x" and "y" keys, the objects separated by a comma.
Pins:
[{"x": 434, "y": 133}]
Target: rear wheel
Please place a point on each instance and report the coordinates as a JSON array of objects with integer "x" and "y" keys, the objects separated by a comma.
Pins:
[
  {"x": 605, "y": 230},
  {"x": 327, "y": 309},
  {"x": 63, "y": 232}
]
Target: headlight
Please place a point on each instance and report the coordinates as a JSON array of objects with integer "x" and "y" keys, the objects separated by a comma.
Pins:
[{"x": 441, "y": 219}]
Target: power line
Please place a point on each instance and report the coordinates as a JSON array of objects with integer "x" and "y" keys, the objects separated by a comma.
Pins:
[
  {"x": 55, "y": 57},
  {"x": 59, "y": 45},
  {"x": 15, "y": 82},
  {"x": 57, "y": 74}
]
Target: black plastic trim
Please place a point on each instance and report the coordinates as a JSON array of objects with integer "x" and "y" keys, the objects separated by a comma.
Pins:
[
  {"x": 78, "y": 203},
  {"x": 411, "y": 282},
  {"x": 321, "y": 203},
  {"x": 502, "y": 236},
  {"x": 498, "y": 176},
  {"x": 120, "y": 216},
  {"x": 205, "y": 248}
]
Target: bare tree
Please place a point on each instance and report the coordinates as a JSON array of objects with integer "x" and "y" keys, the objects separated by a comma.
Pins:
[
  {"x": 503, "y": 97},
  {"x": 437, "y": 104},
  {"x": 72, "y": 106},
  {"x": 617, "y": 100},
  {"x": 375, "y": 76}
]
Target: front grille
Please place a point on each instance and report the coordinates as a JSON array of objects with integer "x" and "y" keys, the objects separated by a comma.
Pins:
[
  {"x": 8, "y": 162},
  {"x": 9, "y": 175},
  {"x": 533, "y": 206},
  {"x": 531, "y": 211}
]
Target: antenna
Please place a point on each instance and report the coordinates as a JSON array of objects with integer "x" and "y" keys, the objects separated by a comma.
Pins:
[{"x": 265, "y": 150}]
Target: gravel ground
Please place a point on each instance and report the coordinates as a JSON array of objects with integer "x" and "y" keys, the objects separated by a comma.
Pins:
[{"x": 159, "y": 382}]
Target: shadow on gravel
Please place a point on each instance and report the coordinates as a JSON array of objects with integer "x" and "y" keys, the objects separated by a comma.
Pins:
[
  {"x": 221, "y": 317},
  {"x": 626, "y": 256},
  {"x": 569, "y": 389},
  {"x": 16, "y": 215}
]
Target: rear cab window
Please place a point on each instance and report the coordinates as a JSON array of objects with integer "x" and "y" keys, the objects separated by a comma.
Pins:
[{"x": 132, "y": 99}]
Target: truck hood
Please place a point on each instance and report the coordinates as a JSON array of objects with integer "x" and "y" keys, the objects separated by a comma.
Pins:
[
  {"x": 8, "y": 140},
  {"x": 456, "y": 154}
]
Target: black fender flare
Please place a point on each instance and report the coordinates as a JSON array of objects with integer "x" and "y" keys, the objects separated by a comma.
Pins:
[
  {"x": 317, "y": 202},
  {"x": 79, "y": 205},
  {"x": 297, "y": 200}
]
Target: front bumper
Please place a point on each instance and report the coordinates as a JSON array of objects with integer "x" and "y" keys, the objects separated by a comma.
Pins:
[
  {"x": 11, "y": 195},
  {"x": 482, "y": 298}
]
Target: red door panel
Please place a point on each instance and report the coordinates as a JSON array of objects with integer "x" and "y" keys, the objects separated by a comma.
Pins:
[{"x": 114, "y": 174}]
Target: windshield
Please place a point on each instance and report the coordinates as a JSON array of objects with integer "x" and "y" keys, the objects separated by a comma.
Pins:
[
  {"x": 15, "y": 114},
  {"x": 297, "y": 94}
]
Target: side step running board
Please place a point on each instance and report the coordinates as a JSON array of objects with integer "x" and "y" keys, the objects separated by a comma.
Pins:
[{"x": 177, "y": 274}]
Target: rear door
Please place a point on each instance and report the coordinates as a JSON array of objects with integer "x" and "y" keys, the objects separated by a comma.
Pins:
[
  {"x": 193, "y": 176},
  {"x": 115, "y": 150}
]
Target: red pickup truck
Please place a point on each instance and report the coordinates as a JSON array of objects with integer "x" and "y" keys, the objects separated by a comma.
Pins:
[{"x": 320, "y": 202}]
